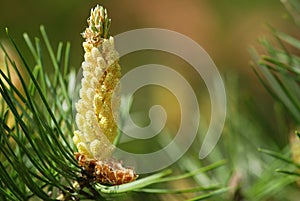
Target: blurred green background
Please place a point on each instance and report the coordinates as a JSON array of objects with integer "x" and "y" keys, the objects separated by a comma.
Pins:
[{"x": 225, "y": 29}]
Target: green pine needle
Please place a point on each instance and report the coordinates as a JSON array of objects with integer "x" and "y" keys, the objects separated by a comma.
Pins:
[{"x": 36, "y": 128}]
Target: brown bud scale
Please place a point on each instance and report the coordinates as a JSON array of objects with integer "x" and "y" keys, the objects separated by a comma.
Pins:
[{"x": 107, "y": 172}]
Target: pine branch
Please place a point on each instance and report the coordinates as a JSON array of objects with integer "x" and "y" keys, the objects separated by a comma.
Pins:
[{"x": 36, "y": 128}]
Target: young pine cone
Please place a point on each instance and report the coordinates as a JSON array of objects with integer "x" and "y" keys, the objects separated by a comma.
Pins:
[{"x": 96, "y": 117}]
